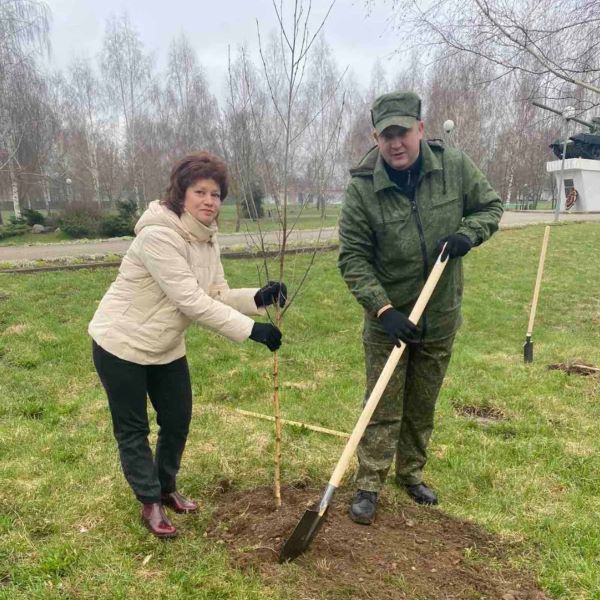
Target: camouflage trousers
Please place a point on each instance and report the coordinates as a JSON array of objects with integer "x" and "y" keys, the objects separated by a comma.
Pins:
[{"x": 403, "y": 420}]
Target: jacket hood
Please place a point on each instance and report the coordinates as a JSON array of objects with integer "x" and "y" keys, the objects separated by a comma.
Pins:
[
  {"x": 188, "y": 228},
  {"x": 366, "y": 163}
]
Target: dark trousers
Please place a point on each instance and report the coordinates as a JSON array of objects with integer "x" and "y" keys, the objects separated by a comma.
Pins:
[{"x": 127, "y": 386}]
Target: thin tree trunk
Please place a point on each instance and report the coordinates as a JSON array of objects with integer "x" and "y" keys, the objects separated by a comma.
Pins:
[
  {"x": 510, "y": 185},
  {"x": 47, "y": 196},
  {"x": 94, "y": 170},
  {"x": 14, "y": 189},
  {"x": 238, "y": 216},
  {"x": 276, "y": 405}
]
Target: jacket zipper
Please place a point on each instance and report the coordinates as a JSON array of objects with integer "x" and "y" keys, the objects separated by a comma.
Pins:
[{"x": 415, "y": 209}]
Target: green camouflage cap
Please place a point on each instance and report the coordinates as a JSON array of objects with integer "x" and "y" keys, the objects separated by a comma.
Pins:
[{"x": 396, "y": 108}]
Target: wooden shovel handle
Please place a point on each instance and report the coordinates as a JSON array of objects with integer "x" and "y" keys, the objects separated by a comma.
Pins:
[
  {"x": 538, "y": 280},
  {"x": 385, "y": 376}
]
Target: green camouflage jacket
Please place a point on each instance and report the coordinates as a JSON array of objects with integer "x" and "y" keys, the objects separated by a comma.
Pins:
[{"x": 388, "y": 241}]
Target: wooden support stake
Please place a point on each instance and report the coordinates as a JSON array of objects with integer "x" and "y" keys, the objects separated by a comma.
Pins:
[
  {"x": 248, "y": 413},
  {"x": 586, "y": 367}
]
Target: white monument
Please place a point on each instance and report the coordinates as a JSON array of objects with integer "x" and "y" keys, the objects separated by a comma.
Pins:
[{"x": 581, "y": 184}]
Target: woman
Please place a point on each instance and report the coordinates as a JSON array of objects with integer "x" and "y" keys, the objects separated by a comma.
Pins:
[{"x": 170, "y": 278}]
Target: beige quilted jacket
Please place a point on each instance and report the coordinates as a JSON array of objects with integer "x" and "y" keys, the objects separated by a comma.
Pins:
[{"x": 170, "y": 277}]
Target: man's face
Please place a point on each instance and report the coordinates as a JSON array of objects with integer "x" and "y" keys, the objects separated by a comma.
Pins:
[{"x": 400, "y": 147}]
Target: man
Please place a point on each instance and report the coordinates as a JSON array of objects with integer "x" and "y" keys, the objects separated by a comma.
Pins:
[{"x": 406, "y": 198}]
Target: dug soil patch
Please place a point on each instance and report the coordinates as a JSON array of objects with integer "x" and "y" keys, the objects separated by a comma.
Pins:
[
  {"x": 578, "y": 368},
  {"x": 482, "y": 414},
  {"x": 410, "y": 552}
]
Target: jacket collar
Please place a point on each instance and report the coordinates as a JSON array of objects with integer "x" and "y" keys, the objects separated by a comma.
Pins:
[
  {"x": 196, "y": 229},
  {"x": 430, "y": 162}
]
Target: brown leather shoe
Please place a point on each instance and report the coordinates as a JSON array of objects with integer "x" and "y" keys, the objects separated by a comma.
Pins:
[
  {"x": 155, "y": 519},
  {"x": 179, "y": 503}
]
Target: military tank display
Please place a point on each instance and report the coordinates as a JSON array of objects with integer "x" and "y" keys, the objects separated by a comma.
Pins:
[{"x": 580, "y": 145}]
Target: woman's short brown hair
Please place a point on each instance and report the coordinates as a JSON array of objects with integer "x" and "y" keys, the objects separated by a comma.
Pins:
[{"x": 199, "y": 165}]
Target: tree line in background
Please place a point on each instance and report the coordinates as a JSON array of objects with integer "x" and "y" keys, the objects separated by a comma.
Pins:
[{"x": 107, "y": 131}]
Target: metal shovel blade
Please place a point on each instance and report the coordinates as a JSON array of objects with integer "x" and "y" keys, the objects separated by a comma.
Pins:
[
  {"x": 302, "y": 536},
  {"x": 528, "y": 350}
]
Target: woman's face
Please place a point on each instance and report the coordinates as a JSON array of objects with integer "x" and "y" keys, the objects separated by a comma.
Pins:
[{"x": 203, "y": 200}]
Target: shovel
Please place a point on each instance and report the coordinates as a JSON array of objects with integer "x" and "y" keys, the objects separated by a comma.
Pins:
[
  {"x": 528, "y": 345},
  {"x": 308, "y": 526}
]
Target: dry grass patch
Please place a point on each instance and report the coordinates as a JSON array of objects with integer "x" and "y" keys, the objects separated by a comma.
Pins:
[{"x": 17, "y": 329}]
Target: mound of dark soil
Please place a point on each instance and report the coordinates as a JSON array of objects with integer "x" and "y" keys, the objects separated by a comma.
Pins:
[
  {"x": 481, "y": 413},
  {"x": 409, "y": 552},
  {"x": 578, "y": 368}
]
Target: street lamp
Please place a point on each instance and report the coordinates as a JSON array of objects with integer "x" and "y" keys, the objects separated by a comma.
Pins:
[
  {"x": 448, "y": 128},
  {"x": 567, "y": 114},
  {"x": 68, "y": 182}
]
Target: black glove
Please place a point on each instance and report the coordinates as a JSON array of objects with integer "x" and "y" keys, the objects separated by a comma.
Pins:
[
  {"x": 267, "y": 334},
  {"x": 269, "y": 294},
  {"x": 457, "y": 245},
  {"x": 398, "y": 327}
]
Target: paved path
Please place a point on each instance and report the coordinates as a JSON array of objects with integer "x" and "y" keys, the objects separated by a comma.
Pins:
[
  {"x": 242, "y": 240},
  {"x": 239, "y": 241},
  {"x": 512, "y": 219}
]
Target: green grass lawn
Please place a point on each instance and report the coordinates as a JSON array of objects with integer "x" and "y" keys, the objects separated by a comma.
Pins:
[
  {"x": 306, "y": 218},
  {"x": 31, "y": 238},
  {"x": 541, "y": 205},
  {"x": 52, "y": 237},
  {"x": 301, "y": 218},
  {"x": 69, "y": 526}
]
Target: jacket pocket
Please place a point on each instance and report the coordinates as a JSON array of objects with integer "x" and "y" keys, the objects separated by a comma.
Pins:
[
  {"x": 145, "y": 303},
  {"x": 203, "y": 275},
  {"x": 174, "y": 325},
  {"x": 446, "y": 213},
  {"x": 444, "y": 200},
  {"x": 397, "y": 243},
  {"x": 389, "y": 229}
]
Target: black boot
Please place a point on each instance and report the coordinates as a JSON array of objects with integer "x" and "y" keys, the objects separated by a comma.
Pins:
[
  {"x": 421, "y": 494},
  {"x": 363, "y": 507}
]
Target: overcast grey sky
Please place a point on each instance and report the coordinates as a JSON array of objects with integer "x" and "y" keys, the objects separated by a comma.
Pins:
[{"x": 357, "y": 38}]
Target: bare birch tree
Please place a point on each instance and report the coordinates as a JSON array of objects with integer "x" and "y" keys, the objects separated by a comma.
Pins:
[
  {"x": 356, "y": 134},
  {"x": 554, "y": 40},
  {"x": 324, "y": 99},
  {"x": 127, "y": 71},
  {"x": 379, "y": 82},
  {"x": 89, "y": 104},
  {"x": 24, "y": 29},
  {"x": 245, "y": 118},
  {"x": 194, "y": 108}
]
